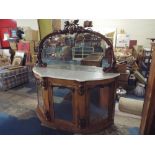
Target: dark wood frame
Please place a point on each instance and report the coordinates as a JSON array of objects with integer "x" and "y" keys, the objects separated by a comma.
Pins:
[
  {"x": 80, "y": 123},
  {"x": 72, "y": 28},
  {"x": 148, "y": 114},
  {"x": 80, "y": 90}
]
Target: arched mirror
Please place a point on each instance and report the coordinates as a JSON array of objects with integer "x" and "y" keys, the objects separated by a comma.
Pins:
[{"x": 73, "y": 45}]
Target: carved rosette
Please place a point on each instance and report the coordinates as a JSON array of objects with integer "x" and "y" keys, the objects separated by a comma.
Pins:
[
  {"x": 81, "y": 90},
  {"x": 44, "y": 83}
]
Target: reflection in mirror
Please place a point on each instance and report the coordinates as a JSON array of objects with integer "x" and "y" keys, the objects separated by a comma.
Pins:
[
  {"x": 62, "y": 100},
  {"x": 98, "y": 110},
  {"x": 72, "y": 48}
]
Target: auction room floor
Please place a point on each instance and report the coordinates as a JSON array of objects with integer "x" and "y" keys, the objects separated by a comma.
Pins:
[{"x": 17, "y": 115}]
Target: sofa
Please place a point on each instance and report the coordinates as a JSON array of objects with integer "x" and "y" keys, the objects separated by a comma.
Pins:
[{"x": 12, "y": 74}]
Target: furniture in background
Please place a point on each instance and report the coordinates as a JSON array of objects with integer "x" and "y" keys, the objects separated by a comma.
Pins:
[
  {"x": 8, "y": 29},
  {"x": 147, "y": 56},
  {"x": 131, "y": 106},
  {"x": 71, "y": 95},
  {"x": 19, "y": 59},
  {"x": 24, "y": 46},
  {"x": 132, "y": 43},
  {"x": 14, "y": 74},
  {"x": 94, "y": 59},
  {"x": 5, "y": 57}
]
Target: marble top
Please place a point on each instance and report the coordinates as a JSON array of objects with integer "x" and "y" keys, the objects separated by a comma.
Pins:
[{"x": 74, "y": 72}]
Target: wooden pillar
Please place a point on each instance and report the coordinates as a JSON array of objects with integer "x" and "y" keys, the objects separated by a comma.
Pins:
[
  {"x": 112, "y": 97},
  {"x": 80, "y": 103},
  {"x": 148, "y": 114}
]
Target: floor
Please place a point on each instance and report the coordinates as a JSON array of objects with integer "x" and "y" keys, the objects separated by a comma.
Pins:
[{"x": 18, "y": 117}]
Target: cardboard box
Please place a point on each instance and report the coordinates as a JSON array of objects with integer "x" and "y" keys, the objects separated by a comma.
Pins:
[
  {"x": 24, "y": 46},
  {"x": 137, "y": 50},
  {"x": 32, "y": 47},
  {"x": 56, "y": 24},
  {"x": 13, "y": 45},
  {"x": 34, "y": 58},
  {"x": 132, "y": 43},
  {"x": 123, "y": 84},
  {"x": 123, "y": 77},
  {"x": 36, "y": 43},
  {"x": 121, "y": 68},
  {"x": 31, "y": 35},
  {"x": 5, "y": 52}
]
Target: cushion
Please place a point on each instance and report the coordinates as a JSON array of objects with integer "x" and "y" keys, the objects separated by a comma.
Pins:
[
  {"x": 4, "y": 61},
  {"x": 132, "y": 106},
  {"x": 17, "y": 61}
]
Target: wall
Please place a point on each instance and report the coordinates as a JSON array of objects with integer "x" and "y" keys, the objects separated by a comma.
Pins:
[
  {"x": 138, "y": 29},
  {"x": 45, "y": 27},
  {"x": 27, "y": 23},
  {"x": 56, "y": 24}
]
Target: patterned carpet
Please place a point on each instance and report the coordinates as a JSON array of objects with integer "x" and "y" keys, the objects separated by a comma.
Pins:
[{"x": 18, "y": 117}]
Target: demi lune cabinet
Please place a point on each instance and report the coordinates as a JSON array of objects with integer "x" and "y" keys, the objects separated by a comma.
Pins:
[{"x": 71, "y": 98}]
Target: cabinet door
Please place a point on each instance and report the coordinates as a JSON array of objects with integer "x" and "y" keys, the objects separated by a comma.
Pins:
[
  {"x": 62, "y": 103},
  {"x": 98, "y": 105}
]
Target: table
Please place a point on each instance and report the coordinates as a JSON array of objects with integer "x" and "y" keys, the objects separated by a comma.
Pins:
[{"x": 70, "y": 97}]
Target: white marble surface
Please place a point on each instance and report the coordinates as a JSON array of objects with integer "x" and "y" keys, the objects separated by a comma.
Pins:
[{"x": 74, "y": 72}]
